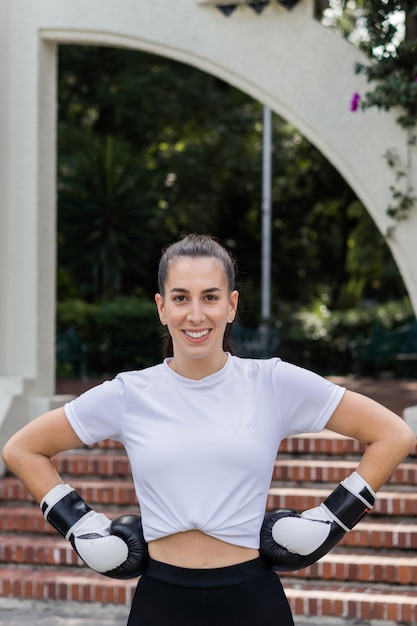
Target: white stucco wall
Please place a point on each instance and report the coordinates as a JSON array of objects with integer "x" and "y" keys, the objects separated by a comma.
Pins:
[{"x": 283, "y": 58}]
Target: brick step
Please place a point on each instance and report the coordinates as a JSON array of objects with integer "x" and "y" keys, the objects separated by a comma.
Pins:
[
  {"x": 352, "y": 601},
  {"x": 28, "y": 519},
  {"x": 121, "y": 493},
  {"x": 393, "y": 568},
  {"x": 106, "y": 444},
  {"x": 394, "y": 503},
  {"x": 96, "y": 491},
  {"x": 38, "y": 550},
  {"x": 378, "y": 533},
  {"x": 104, "y": 463},
  {"x": 64, "y": 584},
  {"x": 325, "y": 443},
  {"x": 333, "y": 471},
  {"x": 117, "y": 465},
  {"x": 371, "y": 533}
]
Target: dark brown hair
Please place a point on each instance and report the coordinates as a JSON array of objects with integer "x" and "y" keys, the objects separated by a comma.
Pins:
[{"x": 197, "y": 246}]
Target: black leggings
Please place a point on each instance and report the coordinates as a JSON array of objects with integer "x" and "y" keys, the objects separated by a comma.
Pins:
[{"x": 248, "y": 594}]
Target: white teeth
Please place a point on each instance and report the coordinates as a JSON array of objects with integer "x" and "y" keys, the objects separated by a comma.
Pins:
[{"x": 196, "y": 335}]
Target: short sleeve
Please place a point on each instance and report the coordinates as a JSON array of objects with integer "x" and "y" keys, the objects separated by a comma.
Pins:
[
  {"x": 97, "y": 414},
  {"x": 305, "y": 400}
]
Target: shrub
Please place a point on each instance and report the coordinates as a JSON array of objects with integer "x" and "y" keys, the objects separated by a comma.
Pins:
[
  {"x": 117, "y": 335},
  {"x": 321, "y": 339}
]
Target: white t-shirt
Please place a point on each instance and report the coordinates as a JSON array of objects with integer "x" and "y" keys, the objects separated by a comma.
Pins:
[{"x": 202, "y": 451}]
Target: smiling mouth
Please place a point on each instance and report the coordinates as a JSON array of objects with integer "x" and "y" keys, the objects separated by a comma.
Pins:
[{"x": 197, "y": 334}]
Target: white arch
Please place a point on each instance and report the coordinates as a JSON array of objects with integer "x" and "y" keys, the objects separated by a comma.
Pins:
[{"x": 283, "y": 58}]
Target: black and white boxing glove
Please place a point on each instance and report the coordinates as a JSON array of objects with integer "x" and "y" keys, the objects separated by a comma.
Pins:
[
  {"x": 114, "y": 548},
  {"x": 290, "y": 541}
]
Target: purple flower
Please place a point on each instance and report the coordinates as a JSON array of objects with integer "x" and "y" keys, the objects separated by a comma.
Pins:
[{"x": 354, "y": 103}]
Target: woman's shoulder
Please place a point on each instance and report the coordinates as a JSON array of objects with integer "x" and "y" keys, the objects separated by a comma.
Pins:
[
  {"x": 141, "y": 377},
  {"x": 251, "y": 368}
]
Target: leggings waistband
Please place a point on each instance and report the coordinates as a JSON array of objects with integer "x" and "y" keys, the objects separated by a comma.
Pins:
[{"x": 213, "y": 577}]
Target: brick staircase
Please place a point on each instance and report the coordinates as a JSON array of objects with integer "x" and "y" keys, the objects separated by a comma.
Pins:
[{"x": 370, "y": 575}]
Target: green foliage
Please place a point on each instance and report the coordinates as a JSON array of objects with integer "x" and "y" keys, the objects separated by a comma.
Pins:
[
  {"x": 121, "y": 334},
  {"x": 125, "y": 334},
  {"x": 386, "y": 30},
  {"x": 102, "y": 225},
  {"x": 395, "y": 74},
  {"x": 321, "y": 339},
  {"x": 150, "y": 149}
]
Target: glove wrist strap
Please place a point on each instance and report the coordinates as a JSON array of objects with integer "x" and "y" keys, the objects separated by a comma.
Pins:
[
  {"x": 66, "y": 513},
  {"x": 348, "y": 508}
]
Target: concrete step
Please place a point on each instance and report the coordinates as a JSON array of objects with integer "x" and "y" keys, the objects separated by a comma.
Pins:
[{"x": 352, "y": 601}]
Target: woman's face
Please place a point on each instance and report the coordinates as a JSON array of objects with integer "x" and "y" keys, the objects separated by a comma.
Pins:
[{"x": 196, "y": 307}]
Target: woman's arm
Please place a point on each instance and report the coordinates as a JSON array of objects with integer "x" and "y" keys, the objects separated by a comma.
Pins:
[
  {"x": 389, "y": 439},
  {"x": 28, "y": 453},
  {"x": 115, "y": 548},
  {"x": 290, "y": 541}
]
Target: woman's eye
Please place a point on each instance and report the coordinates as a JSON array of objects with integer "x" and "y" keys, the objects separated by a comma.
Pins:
[
  {"x": 211, "y": 297},
  {"x": 179, "y": 299}
]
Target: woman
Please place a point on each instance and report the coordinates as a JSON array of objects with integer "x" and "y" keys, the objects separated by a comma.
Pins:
[{"x": 202, "y": 430}]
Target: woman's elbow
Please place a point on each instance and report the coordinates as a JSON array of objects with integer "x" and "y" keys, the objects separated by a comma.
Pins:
[
  {"x": 13, "y": 453},
  {"x": 8, "y": 454},
  {"x": 410, "y": 440},
  {"x": 401, "y": 438}
]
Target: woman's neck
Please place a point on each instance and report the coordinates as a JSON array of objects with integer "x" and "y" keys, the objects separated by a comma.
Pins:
[{"x": 196, "y": 369}]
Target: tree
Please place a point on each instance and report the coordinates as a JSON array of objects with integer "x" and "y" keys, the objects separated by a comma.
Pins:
[{"x": 150, "y": 149}]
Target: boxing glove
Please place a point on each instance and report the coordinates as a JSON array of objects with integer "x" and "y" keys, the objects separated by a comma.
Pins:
[
  {"x": 290, "y": 541},
  {"x": 114, "y": 548}
]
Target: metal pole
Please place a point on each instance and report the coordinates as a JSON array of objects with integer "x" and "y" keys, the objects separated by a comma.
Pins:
[{"x": 266, "y": 215}]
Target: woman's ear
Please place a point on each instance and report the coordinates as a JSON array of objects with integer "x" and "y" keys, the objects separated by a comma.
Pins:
[
  {"x": 234, "y": 298},
  {"x": 161, "y": 309}
]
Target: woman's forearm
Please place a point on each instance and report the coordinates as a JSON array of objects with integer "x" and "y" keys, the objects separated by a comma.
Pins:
[
  {"x": 382, "y": 457},
  {"x": 37, "y": 473},
  {"x": 387, "y": 437},
  {"x": 28, "y": 454}
]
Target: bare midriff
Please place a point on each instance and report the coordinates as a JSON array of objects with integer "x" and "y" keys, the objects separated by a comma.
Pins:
[{"x": 197, "y": 550}]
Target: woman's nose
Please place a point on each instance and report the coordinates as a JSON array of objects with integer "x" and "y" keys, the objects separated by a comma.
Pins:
[{"x": 195, "y": 313}]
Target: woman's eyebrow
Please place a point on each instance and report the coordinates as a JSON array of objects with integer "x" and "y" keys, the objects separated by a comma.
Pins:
[{"x": 182, "y": 290}]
